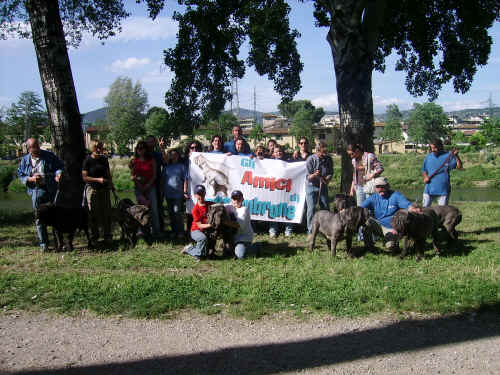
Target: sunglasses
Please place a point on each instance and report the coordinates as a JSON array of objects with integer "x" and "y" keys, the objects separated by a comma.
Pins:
[
  {"x": 193, "y": 147},
  {"x": 302, "y": 143},
  {"x": 380, "y": 186}
]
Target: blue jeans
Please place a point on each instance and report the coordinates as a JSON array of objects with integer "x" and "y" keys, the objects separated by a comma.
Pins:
[
  {"x": 243, "y": 249},
  {"x": 312, "y": 193},
  {"x": 200, "y": 249},
  {"x": 174, "y": 212},
  {"x": 38, "y": 197},
  {"x": 442, "y": 200}
]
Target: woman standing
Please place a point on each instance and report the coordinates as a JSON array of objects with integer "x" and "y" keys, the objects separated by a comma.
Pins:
[
  {"x": 98, "y": 182},
  {"x": 174, "y": 174},
  {"x": 143, "y": 174},
  {"x": 366, "y": 167}
]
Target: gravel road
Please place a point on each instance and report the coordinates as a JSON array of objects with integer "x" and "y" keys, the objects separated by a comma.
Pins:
[{"x": 198, "y": 344}]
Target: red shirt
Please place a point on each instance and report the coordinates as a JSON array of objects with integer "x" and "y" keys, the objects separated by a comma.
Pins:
[
  {"x": 144, "y": 169},
  {"x": 200, "y": 215}
]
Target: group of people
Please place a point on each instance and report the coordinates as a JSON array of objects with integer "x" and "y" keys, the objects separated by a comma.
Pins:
[{"x": 159, "y": 174}]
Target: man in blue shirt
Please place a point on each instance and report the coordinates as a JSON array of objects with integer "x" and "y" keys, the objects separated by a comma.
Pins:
[
  {"x": 40, "y": 171},
  {"x": 384, "y": 204},
  {"x": 230, "y": 146},
  {"x": 436, "y": 171}
]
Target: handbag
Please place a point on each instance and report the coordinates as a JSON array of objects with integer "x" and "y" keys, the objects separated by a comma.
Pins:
[{"x": 369, "y": 186}]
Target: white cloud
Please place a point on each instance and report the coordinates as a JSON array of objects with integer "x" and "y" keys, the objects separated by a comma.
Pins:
[
  {"x": 379, "y": 101},
  {"x": 119, "y": 65},
  {"x": 4, "y": 100},
  {"x": 99, "y": 93},
  {"x": 161, "y": 75},
  {"x": 328, "y": 101}
]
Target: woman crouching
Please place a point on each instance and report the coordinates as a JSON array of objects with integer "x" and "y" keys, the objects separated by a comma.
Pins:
[{"x": 244, "y": 236}]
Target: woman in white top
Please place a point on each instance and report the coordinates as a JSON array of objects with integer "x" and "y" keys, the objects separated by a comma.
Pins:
[{"x": 244, "y": 236}]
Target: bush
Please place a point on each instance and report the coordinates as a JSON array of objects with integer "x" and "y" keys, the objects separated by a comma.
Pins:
[{"x": 6, "y": 176}]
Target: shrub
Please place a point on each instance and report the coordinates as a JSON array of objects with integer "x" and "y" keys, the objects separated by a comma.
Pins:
[{"x": 6, "y": 176}]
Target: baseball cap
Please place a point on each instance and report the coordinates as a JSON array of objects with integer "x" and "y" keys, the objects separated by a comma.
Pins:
[
  {"x": 379, "y": 181},
  {"x": 199, "y": 189},
  {"x": 236, "y": 194}
]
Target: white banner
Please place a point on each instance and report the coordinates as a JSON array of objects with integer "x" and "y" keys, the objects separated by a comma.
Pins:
[{"x": 273, "y": 190}]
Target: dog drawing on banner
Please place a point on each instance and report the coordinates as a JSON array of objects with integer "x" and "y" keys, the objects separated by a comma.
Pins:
[{"x": 215, "y": 178}]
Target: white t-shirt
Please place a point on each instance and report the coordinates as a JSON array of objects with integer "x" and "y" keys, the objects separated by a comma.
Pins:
[
  {"x": 37, "y": 167},
  {"x": 245, "y": 231}
]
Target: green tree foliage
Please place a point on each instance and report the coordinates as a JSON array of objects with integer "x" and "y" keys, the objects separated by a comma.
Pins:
[
  {"x": 427, "y": 121},
  {"x": 257, "y": 134},
  {"x": 392, "y": 129},
  {"x": 26, "y": 118},
  {"x": 289, "y": 109},
  {"x": 491, "y": 130},
  {"x": 458, "y": 137},
  {"x": 158, "y": 123},
  {"x": 223, "y": 126},
  {"x": 127, "y": 105},
  {"x": 302, "y": 123}
]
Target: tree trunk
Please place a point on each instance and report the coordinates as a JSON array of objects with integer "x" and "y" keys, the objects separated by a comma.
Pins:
[
  {"x": 353, "y": 38},
  {"x": 60, "y": 96}
]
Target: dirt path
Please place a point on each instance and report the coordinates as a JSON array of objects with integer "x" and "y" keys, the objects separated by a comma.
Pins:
[{"x": 194, "y": 344}]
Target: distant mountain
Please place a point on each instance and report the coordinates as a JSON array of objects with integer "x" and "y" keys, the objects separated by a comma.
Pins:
[{"x": 90, "y": 117}]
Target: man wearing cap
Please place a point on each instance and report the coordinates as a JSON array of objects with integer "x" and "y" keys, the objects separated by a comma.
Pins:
[{"x": 384, "y": 204}]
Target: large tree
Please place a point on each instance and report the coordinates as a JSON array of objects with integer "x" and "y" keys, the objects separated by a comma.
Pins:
[
  {"x": 392, "y": 131},
  {"x": 127, "y": 104},
  {"x": 426, "y": 122},
  {"x": 437, "y": 41},
  {"x": 42, "y": 20}
]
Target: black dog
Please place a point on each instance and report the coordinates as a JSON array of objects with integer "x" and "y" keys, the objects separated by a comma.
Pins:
[
  {"x": 337, "y": 226},
  {"x": 63, "y": 220},
  {"x": 416, "y": 227},
  {"x": 343, "y": 201},
  {"x": 131, "y": 218},
  {"x": 449, "y": 218}
]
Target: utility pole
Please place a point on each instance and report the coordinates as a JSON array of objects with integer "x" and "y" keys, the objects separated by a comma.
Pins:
[{"x": 254, "y": 106}]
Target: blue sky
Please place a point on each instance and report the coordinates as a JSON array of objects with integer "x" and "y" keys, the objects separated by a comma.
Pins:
[{"x": 137, "y": 53}]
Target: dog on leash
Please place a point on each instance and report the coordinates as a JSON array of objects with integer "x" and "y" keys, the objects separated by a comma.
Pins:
[
  {"x": 64, "y": 220},
  {"x": 449, "y": 218},
  {"x": 131, "y": 217},
  {"x": 336, "y": 226},
  {"x": 416, "y": 227}
]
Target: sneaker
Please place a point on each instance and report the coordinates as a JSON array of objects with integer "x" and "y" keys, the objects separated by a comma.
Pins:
[
  {"x": 273, "y": 235},
  {"x": 288, "y": 234},
  {"x": 185, "y": 249}
]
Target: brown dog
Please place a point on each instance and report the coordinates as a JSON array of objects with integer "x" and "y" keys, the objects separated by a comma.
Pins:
[
  {"x": 416, "y": 227},
  {"x": 336, "y": 226}
]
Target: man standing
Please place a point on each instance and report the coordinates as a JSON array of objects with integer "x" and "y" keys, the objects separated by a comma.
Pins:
[
  {"x": 319, "y": 174},
  {"x": 436, "y": 172},
  {"x": 384, "y": 204},
  {"x": 40, "y": 171},
  {"x": 230, "y": 146}
]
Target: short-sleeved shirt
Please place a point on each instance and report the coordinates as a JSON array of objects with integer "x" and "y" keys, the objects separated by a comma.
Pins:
[
  {"x": 245, "y": 231},
  {"x": 440, "y": 182},
  {"x": 96, "y": 168},
  {"x": 384, "y": 207},
  {"x": 200, "y": 215},
  {"x": 324, "y": 164},
  {"x": 173, "y": 180}
]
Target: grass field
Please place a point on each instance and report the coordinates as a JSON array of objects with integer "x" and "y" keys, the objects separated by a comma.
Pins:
[{"x": 157, "y": 281}]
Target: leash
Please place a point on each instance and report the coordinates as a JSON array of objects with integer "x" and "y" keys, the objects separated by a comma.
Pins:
[{"x": 441, "y": 166}]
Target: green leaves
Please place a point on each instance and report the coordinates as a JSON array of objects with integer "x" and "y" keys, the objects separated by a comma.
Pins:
[{"x": 427, "y": 121}]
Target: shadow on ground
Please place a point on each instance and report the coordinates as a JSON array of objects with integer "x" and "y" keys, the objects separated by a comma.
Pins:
[{"x": 402, "y": 336}]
